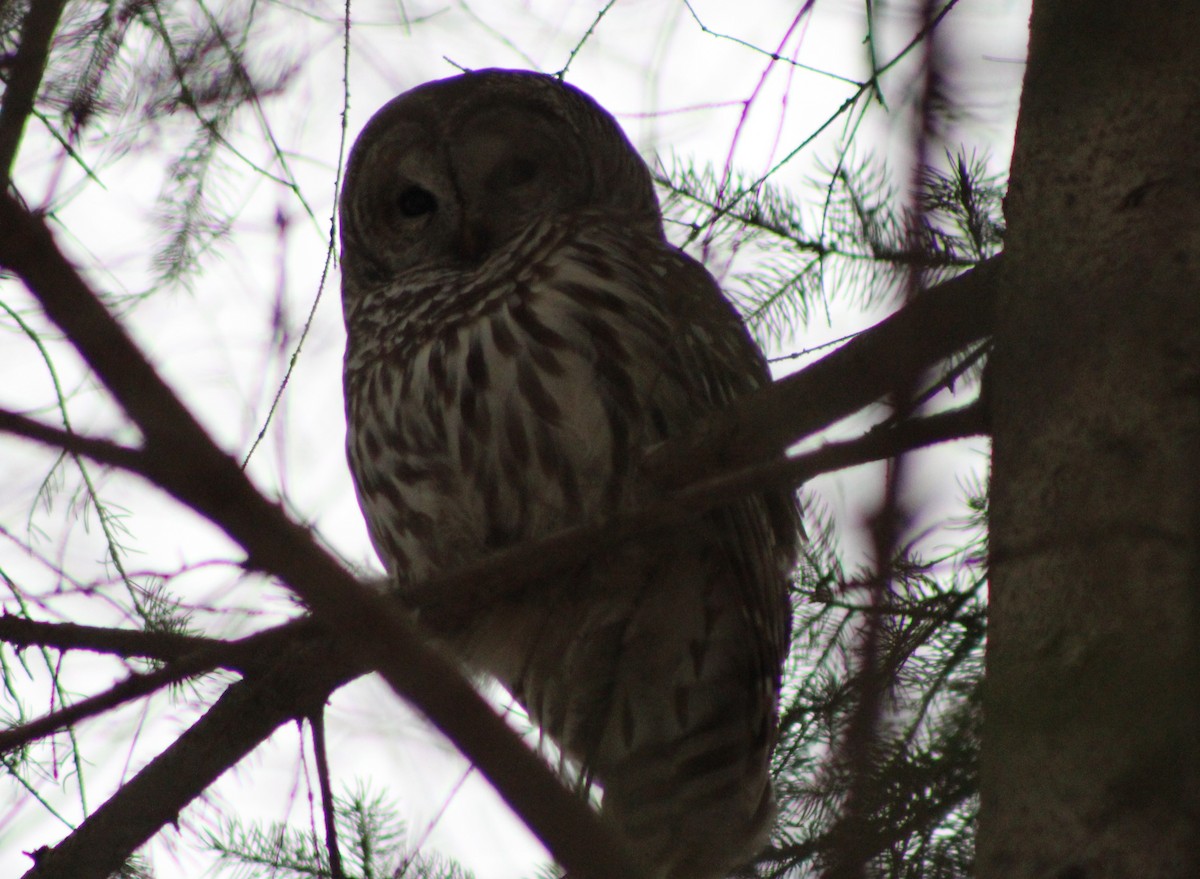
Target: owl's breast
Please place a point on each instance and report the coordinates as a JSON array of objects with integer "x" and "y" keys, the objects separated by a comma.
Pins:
[{"x": 515, "y": 417}]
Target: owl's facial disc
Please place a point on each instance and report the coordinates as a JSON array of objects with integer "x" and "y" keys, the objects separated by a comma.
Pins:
[
  {"x": 512, "y": 168},
  {"x": 448, "y": 174}
]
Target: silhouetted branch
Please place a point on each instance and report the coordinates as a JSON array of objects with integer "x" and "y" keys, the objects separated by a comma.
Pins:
[
  {"x": 25, "y": 73},
  {"x": 99, "y": 450},
  {"x": 188, "y": 656},
  {"x": 183, "y": 460},
  {"x": 328, "y": 808},
  {"x": 245, "y": 715},
  {"x": 444, "y": 601},
  {"x": 937, "y": 323},
  {"x": 126, "y": 643}
]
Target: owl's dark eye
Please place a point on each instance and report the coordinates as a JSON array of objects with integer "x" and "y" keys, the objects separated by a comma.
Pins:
[{"x": 416, "y": 201}]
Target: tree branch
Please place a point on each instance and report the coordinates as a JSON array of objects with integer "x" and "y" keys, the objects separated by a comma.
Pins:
[
  {"x": 937, "y": 323},
  {"x": 189, "y": 656},
  {"x": 244, "y": 655},
  {"x": 183, "y": 460},
  {"x": 245, "y": 715},
  {"x": 131, "y": 688},
  {"x": 99, "y": 450},
  {"x": 126, "y": 643},
  {"x": 25, "y": 76},
  {"x": 445, "y": 601}
]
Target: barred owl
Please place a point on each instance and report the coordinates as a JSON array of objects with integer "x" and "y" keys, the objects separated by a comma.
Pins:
[{"x": 519, "y": 334}]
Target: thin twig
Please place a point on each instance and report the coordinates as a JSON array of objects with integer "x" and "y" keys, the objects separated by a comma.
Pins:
[
  {"x": 240, "y": 655},
  {"x": 321, "y": 753},
  {"x": 330, "y": 248},
  {"x": 586, "y": 36}
]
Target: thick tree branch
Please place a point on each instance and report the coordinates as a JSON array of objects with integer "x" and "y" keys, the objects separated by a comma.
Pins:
[
  {"x": 24, "y": 78},
  {"x": 182, "y": 460},
  {"x": 444, "y": 602},
  {"x": 937, "y": 323}
]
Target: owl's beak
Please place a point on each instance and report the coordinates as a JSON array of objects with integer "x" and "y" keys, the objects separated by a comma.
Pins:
[{"x": 474, "y": 242}]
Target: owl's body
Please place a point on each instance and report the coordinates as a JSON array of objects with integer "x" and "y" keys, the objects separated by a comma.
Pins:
[{"x": 519, "y": 334}]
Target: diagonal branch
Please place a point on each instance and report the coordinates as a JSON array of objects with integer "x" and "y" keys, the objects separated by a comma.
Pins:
[
  {"x": 444, "y": 601},
  {"x": 132, "y": 687},
  {"x": 183, "y": 460},
  {"x": 937, "y": 323},
  {"x": 25, "y": 76}
]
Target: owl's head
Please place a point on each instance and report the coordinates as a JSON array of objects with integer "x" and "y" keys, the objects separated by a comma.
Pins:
[{"x": 446, "y": 174}]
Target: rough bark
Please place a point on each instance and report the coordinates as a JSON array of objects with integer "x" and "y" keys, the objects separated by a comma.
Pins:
[{"x": 1092, "y": 741}]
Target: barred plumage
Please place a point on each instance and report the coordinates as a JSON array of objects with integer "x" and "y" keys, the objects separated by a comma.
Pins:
[{"x": 519, "y": 334}]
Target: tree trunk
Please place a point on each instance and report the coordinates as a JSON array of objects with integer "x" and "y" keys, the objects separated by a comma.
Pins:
[{"x": 1092, "y": 742}]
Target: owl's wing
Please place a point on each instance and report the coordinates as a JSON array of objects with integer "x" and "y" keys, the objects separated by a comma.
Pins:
[
  {"x": 693, "y": 657},
  {"x": 685, "y": 353},
  {"x": 720, "y": 362}
]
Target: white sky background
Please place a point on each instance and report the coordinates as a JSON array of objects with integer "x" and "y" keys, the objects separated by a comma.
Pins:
[{"x": 224, "y": 344}]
